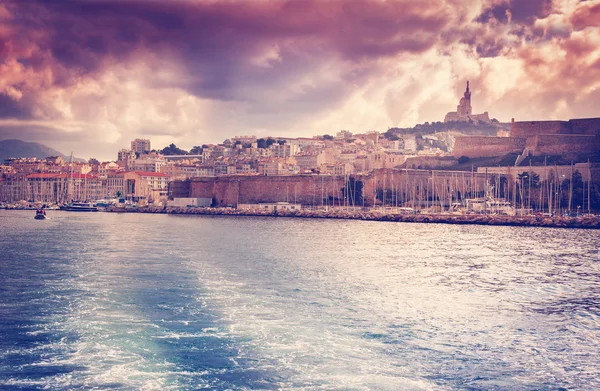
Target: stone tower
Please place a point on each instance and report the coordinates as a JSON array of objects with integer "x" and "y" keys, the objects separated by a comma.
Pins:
[
  {"x": 464, "y": 107},
  {"x": 464, "y": 111}
]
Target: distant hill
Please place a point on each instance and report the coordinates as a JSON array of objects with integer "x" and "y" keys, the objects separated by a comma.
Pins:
[
  {"x": 467, "y": 128},
  {"x": 17, "y": 148}
]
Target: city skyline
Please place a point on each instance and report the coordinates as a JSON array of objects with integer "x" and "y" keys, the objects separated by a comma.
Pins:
[{"x": 90, "y": 76}]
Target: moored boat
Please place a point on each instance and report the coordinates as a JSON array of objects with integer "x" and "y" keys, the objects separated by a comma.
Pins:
[{"x": 79, "y": 207}]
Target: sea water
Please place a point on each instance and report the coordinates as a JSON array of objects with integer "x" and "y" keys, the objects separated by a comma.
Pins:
[{"x": 103, "y": 301}]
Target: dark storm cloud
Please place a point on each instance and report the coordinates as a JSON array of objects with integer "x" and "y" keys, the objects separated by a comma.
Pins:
[
  {"x": 529, "y": 10},
  {"x": 184, "y": 69},
  {"x": 10, "y": 108},
  {"x": 587, "y": 16},
  {"x": 518, "y": 11},
  {"x": 214, "y": 41},
  {"x": 497, "y": 12}
]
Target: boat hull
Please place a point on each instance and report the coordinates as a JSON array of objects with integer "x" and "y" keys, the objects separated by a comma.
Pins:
[
  {"x": 70, "y": 209},
  {"x": 79, "y": 207}
]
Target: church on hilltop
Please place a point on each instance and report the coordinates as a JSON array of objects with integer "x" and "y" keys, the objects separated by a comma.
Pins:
[{"x": 463, "y": 111}]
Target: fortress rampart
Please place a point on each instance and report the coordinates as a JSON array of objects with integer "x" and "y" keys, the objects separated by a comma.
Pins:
[
  {"x": 589, "y": 126},
  {"x": 478, "y": 146},
  {"x": 539, "y": 137},
  {"x": 534, "y": 128},
  {"x": 585, "y": 126},
  {"x": 563, "y": 144},
  {"x": 321, "y": 189}
]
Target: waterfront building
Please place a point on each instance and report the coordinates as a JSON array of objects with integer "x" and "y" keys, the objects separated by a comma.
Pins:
[
  {"x": 13, "y": 188},
  {"x": 135, "y": 186},
  {"x": 46, "y": 187},
  {"x": 84, "y": 187},
  {"x": 153, "y": 186},
  {"x": 116, "y": 184}
]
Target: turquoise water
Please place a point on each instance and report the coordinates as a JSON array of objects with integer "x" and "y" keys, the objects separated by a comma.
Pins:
[{"x": 132, "y": 301}]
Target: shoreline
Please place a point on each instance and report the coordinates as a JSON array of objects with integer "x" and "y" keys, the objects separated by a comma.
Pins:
[{"x": 582, "y": 222}]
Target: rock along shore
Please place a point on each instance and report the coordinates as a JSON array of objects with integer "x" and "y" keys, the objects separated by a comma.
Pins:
[{"x": 588, "y": 222}]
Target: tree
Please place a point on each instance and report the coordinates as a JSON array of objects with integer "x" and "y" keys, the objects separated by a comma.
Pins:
[
  {"x": 172, "y": 150},
  {"x": 391, "y": 135},
  {"x": 327, "y": 137},
  {"x": 196, "y": 150},
  {"x": 93, "y": 162}
]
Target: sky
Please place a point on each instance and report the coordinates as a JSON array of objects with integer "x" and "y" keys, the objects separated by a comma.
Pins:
[{"x": 89, "y": 76}]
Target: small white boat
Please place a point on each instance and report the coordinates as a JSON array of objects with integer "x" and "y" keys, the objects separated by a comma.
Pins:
[{"x": 80, "y": 207}]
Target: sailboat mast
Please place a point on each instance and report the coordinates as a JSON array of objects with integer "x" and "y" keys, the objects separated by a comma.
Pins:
[
  {"x": 589, "y": 182},
  {"x": 571, "y": 189}
]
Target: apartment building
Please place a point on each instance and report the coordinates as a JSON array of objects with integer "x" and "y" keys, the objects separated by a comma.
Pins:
[{"x": 140, "y": 146}]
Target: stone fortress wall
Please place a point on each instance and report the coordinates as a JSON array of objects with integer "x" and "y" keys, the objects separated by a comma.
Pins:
[
  {"x": 319, "y": 189},
  {"x": 479, "y": 146},
  {"x": 590, "y": 126},
  {"x": 533, "y": 128},
  {"x": 539, "y": 137},
  {"x": 563, "y": 144}
]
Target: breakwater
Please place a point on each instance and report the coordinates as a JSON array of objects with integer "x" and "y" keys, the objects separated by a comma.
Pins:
[{"x": 587, "y": 222}]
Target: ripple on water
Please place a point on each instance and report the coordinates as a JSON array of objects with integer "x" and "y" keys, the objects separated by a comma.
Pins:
[{"x": 185, "y": 302}]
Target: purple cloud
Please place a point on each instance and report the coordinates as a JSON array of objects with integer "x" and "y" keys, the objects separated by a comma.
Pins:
[{"x": 192, "y": 69}]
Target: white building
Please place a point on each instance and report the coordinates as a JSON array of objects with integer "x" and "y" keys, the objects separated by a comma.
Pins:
[{"x": 151, "y": 162}]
